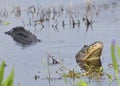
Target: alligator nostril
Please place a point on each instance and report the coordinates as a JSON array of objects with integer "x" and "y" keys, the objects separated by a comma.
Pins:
[{"x": 8, "y": 33}]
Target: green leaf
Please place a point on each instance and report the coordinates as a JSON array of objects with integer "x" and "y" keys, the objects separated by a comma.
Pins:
[
  {"x": 82, "y": 83},
  {"x": 101, "y": 69},
  {"x": 118, "y": 49},
  {"x": 2, "y": 72},
  {"x": 109, "y": 76},
  {"x": 5, "y": 23},
  {"x": 114, "y": 60},
  {"x": 10, "y": 79}
]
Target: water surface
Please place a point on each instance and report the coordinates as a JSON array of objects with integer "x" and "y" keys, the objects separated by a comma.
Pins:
[{"x": 62, "y": 43}]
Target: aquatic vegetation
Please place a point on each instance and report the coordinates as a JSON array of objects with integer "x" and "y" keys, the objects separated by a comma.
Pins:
[
  {"x": 39, "y": 14},
  {"x": 51, "y": 14},
  {"x": 4, "y": 13},
  {"x": 114, "y": 61},
  {"x": 36, "y": 77},
  {"x": 88, "y": 22},
  {"x": 67, "y": 73},
  {"x": 118, "y": 49},
  {"x": 17, "y": 11},
  {"x": 82, "y": 83},
  {"x": 110, "y": 78},
  {"x": 5, "y": 23},
  {"x": 9, "y": 81},
  {"x": 2, "y": 22},
  {"x": 115, "y": 52},
  {"x": 51, "y": 60}
]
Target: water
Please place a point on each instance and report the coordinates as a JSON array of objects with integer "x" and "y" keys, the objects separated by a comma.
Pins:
[{"x": 62, "y": 43}]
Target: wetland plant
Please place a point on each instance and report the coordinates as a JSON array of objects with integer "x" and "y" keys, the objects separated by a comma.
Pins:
[
  {"x": 9, "y": 81},
  {"x": 114, "y": 60},
  {"x": 82, "y": 83},
  {"x": 17, "y": 11}
]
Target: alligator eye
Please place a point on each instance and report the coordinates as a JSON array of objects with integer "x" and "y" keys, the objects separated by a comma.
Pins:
[{"x": 94, "y": 45}]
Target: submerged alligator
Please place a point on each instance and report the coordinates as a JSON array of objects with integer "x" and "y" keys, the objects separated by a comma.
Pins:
[
  {"x": 90, "y": 52},
  {"x": 22, "y": 36}
]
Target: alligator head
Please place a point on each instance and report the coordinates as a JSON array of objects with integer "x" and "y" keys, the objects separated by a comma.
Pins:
[
  {"x": 90, "y": 52},
  {"x": 22, "y": 36}
]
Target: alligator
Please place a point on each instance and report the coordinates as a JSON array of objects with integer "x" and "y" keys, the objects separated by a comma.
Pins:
[
  {"x": 90, "y": 52},
  {"x": 22, "y": 36}
]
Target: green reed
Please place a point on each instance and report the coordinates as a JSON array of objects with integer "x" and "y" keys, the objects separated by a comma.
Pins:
[
  {"x": 118, "y": 49},
  {"x": 114, "y": 61},
  {"x": 9, "y": 81}
]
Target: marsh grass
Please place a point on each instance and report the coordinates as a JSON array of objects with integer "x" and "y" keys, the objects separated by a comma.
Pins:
[
  {"x": 82, "y": 83},
  {"x": 70, "y": 74},
  {"x": 66, "y": 73},
  {"x": 114, "y": 61},
  {"x": 118, "y": 49},
  {"x": 71, "y": 77},
  {"x": 9, "y": 81}
]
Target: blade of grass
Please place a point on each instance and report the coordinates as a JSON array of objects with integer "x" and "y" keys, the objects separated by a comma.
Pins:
[
  {"x": 82, "y": 83},
  {"x": 118, "y": 49},
  {"x": 10, "y": 80},
  {"x": 2, "y": 72},
  {"x": 115, "y": 64},
  {"x": 109, "y": 76},
  {"x": 114, "y": 61}
]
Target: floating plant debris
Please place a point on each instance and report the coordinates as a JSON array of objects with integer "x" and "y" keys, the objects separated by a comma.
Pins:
[
  {"x": 65, "y": 72},
  {"x": 52, "y": 60}
]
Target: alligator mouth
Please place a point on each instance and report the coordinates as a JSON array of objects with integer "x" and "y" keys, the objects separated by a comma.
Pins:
[{"x": 97, "y": 52}]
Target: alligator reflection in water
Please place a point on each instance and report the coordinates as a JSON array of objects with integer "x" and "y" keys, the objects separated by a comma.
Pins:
[{"x": 22, "y": 36}]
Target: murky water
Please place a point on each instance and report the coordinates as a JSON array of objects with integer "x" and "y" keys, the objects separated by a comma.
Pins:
[{"x": 60, "y": 40}]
